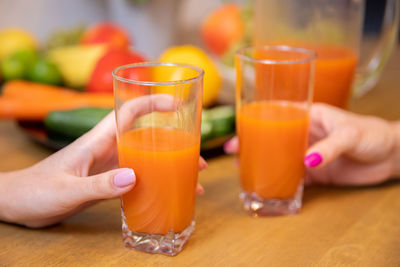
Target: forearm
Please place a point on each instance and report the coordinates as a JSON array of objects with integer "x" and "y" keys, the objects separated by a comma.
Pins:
[{"x": 396, "y": 150}]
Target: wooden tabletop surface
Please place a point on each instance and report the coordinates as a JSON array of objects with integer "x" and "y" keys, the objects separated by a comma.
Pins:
[{"x": 336, "y": 227}]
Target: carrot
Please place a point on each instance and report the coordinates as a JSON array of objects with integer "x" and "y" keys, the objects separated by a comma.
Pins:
[
  {"x": 32, "y": 101},
  {"x": 26, "y": 109},
  {"x": 20, "y": 88}
]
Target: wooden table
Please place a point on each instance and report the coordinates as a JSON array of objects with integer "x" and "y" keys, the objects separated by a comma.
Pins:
[{"x": 336, "y": 227}]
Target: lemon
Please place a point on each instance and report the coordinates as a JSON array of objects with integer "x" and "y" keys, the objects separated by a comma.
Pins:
[
  {"x": 13, "y": 40},
  {"x": 192, "y": 55},
  {"x": 173, "y": 74}
]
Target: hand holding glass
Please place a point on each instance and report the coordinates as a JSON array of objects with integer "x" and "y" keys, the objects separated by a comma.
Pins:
[
  {"x": 158, "y": 113},
  {"x": 273, "y": 97}
]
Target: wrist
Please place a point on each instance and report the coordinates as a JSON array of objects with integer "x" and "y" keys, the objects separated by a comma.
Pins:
[
  {"x": 7, "y": 194},
  {"x": 396, "y": 150},
  {"x": 5, "y": 178}
]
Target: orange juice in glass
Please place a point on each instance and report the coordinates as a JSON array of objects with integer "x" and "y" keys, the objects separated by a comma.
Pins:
[
  {"x": 335, "y": 70},
  {"x": 334, "y": 29},
  {"x": 273, "y": 96},
  {"x": 158, "y": 136}
]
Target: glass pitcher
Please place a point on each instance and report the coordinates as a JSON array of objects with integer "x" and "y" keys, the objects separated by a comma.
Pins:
[{"x": 334, "y": 30}]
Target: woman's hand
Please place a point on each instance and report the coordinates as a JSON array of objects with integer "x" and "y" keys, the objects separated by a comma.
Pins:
[
  {"x": 73, "y": 178},
  {"x": 348, "y": 149}
]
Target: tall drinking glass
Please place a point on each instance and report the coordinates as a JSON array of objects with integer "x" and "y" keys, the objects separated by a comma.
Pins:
[
  {"x": 273, "y": 97},
  {"x": 158, "y": 115}
]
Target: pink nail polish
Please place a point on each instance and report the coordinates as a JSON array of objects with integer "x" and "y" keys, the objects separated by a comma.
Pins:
[
  {"x": 227, "y": 147},
  {"x": 313, "y": 160},
  {"x": 124, "y": 178}
]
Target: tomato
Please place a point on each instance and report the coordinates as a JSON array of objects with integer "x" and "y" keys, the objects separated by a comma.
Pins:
[
  {"x": 223, "y": 28},
  {"x": 106, "y": 33},
  {"x": 101, "y": 79}
]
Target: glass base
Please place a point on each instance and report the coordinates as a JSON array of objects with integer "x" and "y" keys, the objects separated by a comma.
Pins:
[
  {"x": 169, "y": 244},
  {"x": 259, "y": 207}
]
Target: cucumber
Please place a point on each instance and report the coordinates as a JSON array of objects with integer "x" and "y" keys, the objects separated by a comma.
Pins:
[
  {"x": 76, "y": 122},
  {"x": 71, "y": 124},
  {"x": 217, "y": 122},
  {"x": 206, "y": 126},
  {"x": 223, "y": 120}
]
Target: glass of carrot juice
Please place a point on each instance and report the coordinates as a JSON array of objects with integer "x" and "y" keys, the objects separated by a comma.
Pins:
[
  {"x": 350, "y": 58},
  {"x": 273, "y": 97},
  {"x": 158, "y": 116}
]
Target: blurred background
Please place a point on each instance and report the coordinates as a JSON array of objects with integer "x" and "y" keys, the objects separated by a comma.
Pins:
[
  {"x": 76, "y": 44},
  {"x": 153, "y": 24}
]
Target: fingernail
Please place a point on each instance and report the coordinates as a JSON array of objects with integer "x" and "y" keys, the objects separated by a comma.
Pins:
[
  {"x": 199, "y": 190},
  {"x": 203, "y": 164},
  {"x": 124, "y": 178},
  {"x": 227, "y": 147},
  {"x": 313, "y": 160},
  {"x": 230, "y": 146}
]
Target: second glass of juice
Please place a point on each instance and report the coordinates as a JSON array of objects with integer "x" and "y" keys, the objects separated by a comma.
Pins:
[
  {"x": 273, "y": 97},
  {"x": 158, "y": 115}
]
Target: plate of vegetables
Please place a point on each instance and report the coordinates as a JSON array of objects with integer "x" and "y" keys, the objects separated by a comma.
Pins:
[{"x": 55, "y": 116}]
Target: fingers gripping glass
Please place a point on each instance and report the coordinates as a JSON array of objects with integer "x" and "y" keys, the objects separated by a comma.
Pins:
[
  {"x": 273, "y": 97},
  {"x": 158, "y": 115}
]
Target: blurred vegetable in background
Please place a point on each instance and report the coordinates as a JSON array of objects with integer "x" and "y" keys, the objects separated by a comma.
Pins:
[
  {"x": 65, "y": 36},
  {"x": 44, "y": 71},
  {"x": 83, "y": 58},
  {"x": 223, "y": 28},
  {"x": 21, "y": 60},
  {"x": 13, "y": 68},
  {"x": 31, "y": 101},
  {"x": 101, "y": 79},
  {"x": 15, "y": 39},
  {"x": 76, "y": 62},
  {"x": 78, "y": 58},
  {"x": 16, "y": 65},
  {"x": 228, "y": 28},
  {"x": 107, "y": 33},
  {"x": 75, "y": 122},
  {"x": 217, "y": 123},
  {"x": 192, "y": 55}
]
